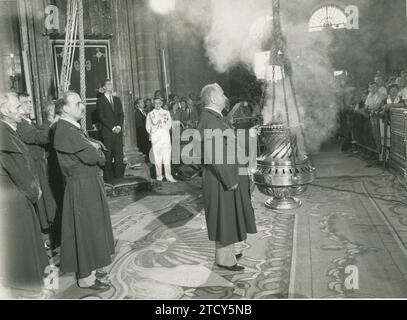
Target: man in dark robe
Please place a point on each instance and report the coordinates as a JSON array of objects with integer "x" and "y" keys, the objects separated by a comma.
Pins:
[
  {"x": 87, "y": 237},
  {"x": 110, "y": 114},
  {"x": 22, "y": 253},
  {"x": 36, "y": 138},
  {"x": 228, "y": 209},
  {"x": 143, "y": 139},
  {"x": 55, "y": 177},
  {"x": 189, "y": 114}
]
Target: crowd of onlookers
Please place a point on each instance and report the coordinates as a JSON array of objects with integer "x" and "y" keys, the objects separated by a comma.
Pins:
[
  {"x": 151, "y": 121},
  {"x": 187, "y": 109},
  {"x": 365, "y": 112}
]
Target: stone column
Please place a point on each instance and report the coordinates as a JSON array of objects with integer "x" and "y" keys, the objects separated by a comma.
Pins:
[
  {"x": 146, "y": 54},
  {"x": 123, "y": 75}
]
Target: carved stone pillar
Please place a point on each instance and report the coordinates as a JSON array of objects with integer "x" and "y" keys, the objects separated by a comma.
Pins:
[
  {"x": 123, "y": 75},
  {"x": 146, "y": 57}
]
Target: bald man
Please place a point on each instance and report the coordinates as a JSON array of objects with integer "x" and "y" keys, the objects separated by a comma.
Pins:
[
  {"x": 228, "y": 209},
  {"x": 22, "y": 254},
  {"x": 87, "y": 238}
]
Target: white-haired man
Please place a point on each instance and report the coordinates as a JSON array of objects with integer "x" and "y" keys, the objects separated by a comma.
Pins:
[
  {"x": 228, "y": 209},
  {"x": 22, "y": 254},
  {"x": 87, "y": 237}
]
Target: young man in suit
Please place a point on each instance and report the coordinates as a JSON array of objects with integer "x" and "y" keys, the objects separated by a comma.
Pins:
[{"x": 110, "y": 113}]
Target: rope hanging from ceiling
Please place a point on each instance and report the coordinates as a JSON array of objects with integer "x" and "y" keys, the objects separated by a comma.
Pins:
[{"x": 74, "y": 22}]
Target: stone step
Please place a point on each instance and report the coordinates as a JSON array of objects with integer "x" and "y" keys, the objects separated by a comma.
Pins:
[{"x": 127, "y": 185}]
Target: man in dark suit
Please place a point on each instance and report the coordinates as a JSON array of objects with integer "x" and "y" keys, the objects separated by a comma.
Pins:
[
  {"x": 110, "y": 113},
  {"x": 143, "y": 141}
]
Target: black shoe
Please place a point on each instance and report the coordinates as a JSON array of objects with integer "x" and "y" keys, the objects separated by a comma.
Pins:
[
  {"x": 236, "y": 267},
  {"x": 239, "y": 256},
  {"x": 100, "y": 273},
  {"x": 98, "y": 285}
]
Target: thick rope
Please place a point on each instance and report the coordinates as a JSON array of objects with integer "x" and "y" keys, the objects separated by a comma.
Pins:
[
  {"x": 69, "y": 46},
  {"x": 82, "y": 61},
  {"x": 294, "y": 94},
  {"x": 273, "y": 83},
  {"x": 65, "y": 51}
]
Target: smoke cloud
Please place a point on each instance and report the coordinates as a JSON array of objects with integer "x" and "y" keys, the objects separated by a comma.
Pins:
[
  {"x": 228, "y": 40},
  {"x": 227, "y": 28}
]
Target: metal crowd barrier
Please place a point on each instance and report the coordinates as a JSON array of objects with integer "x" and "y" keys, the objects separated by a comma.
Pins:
[
  {"x": 366, "y": 131},
  {"x": 398, "y": 138}
]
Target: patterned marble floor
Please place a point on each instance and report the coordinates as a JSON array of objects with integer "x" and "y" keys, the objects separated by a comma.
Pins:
[
  {"x": 355, "y": 218},
  {"x": 163, "y": 252}
]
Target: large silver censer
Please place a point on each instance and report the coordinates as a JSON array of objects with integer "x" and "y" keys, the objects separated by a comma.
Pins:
[{"x": 282, "y": 172}]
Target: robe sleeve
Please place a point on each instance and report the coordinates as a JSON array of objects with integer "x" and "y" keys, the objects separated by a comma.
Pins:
[
  {"x": 29, "y": 134},
  {"x": 91, "y": 156},
  {"x": 72, "y": 141},
  {"x": 19, "y": 172},
  {"x": 99, "y": 143},
  {"x": 226, "y": 173}
]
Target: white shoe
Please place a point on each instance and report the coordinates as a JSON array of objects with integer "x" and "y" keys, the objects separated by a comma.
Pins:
[{"x": 171, "y": 179}]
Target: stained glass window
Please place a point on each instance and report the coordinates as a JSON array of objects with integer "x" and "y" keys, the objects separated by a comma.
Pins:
[{"x": 327, "y": 17}]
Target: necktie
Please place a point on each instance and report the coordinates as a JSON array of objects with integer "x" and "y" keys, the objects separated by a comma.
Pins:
[{"x": 111, "y": 102}]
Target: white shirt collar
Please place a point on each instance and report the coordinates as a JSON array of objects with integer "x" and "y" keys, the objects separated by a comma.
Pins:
[
  {"x": 10, "y": 125},
  {"x": 213, "y": 109},
  {"x": 76, "y": 124},
  {"x": 28, "y": 120},
  {"x": 108, "y": 96}
]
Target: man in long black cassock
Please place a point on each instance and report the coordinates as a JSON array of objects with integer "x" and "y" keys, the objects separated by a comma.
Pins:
[
  {"x": 228, "y": 209},
  {"x": 36, "y": 138},
  {"x": 22, "y": 253},
  {"x": 110, "y": 115},
  {"x": 143, "y": 139},
  {"x": 87, "y": 237}
]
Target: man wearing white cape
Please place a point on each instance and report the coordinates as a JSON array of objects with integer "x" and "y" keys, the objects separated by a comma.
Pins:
[{"x": 158, "y": 125}]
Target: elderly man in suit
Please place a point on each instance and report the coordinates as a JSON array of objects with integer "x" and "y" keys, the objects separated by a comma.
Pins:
[
  {"x": 110, "y": 113},
  {"x": 227, "y": 201},
  {"x": 22, "y": 254},
  {"x": 37, "y": 140}
]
